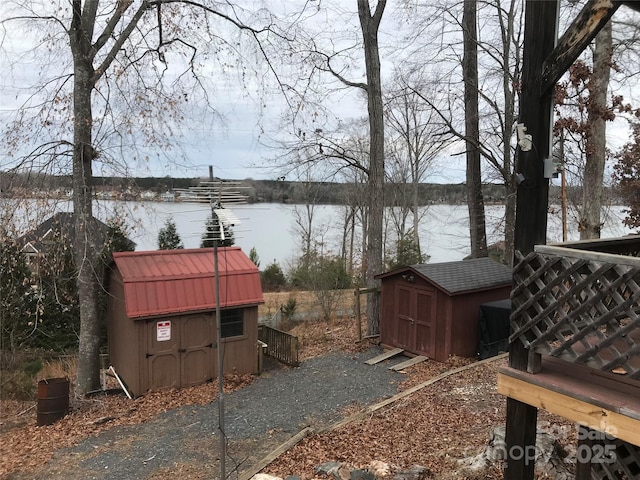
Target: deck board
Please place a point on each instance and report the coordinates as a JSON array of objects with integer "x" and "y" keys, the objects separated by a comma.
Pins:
[
  {"x": 408, "y": 363},
  {"x": 602, "y": 401},
  {"x": 384, "y": 356}
]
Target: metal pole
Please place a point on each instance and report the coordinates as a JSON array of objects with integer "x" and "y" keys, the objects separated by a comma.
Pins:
[
  {"x": 563, "y": 189},
  {"x": 221, "y": 429}
]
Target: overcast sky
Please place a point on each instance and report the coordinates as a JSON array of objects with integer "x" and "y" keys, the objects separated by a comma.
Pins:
[{"x": 239, "y": 141}]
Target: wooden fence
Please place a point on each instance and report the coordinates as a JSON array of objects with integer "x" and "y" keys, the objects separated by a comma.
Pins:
[{"x": 280, "y": 345}]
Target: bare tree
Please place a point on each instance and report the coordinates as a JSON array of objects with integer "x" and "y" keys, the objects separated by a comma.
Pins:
[
  {"x": 598, "y": 114},
  {"x": 124, "y": 71},
  {"x": 499, "y": 44},
  {"x": 370, "y": 23},
  {"x": 416, "y": 137},
  {"x": 354, "y": 242},
  {"x": 332, "y": 150},
  {"x": 304, "y": 214},
  {"x": 475, "y": 200}
]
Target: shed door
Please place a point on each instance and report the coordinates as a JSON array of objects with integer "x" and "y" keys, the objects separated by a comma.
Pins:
[
  {"x": 197, "y": 359},
  {"x": 425, "y": 322},
  {"x": 163, "y": 357},
  {"x": 180, "y": 353},
  {"x": 405, "y": 318},
  {"x": 415, "y": 319}
]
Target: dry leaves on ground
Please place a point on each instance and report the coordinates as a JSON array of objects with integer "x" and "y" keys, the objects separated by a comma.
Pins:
[
  {"x": 24, "y": 446},
  {"x": 433, "y": 427}
]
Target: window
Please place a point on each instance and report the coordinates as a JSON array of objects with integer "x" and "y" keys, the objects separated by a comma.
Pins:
[{"x": 232, "y": 323}]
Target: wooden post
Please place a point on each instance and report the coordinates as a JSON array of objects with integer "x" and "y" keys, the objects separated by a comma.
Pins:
[
  {"x": 531, "y": 213},
  {"x": 583, "y": 461},
  {"x": 543, "y": 64},
  {"x": 356, "y": 293}
]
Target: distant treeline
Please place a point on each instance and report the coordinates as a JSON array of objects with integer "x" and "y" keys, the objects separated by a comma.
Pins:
[
  {"x": 343, "y": 193},
  {"x": 277, "y": 191}
]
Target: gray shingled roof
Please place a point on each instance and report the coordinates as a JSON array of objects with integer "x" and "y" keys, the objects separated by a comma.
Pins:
[{"x": 465, "y": 275}]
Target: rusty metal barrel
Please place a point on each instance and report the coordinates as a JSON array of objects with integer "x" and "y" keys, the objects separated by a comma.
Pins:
[{"x": 53, "y": 400}]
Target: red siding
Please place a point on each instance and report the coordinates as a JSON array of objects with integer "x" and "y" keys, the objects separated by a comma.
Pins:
[{"x": 177, "y": 281}]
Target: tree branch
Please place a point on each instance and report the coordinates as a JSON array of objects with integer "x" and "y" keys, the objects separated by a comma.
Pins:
[
  {"x": 349, "y": 83},
  {"x": 237, "y": 23},
  {"x": 123, "y": 37},
  {"x": 377, "y": 15},
  {"x": 121, "y": 7},
  {"x": 483, "y": 151},
  {"x": 88, "y": 18}
]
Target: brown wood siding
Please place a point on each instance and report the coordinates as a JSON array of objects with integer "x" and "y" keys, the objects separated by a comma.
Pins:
[
  {"x": 186, "y": 357},
  {"x": 466, "y": 314},
  {"x": 450, "y": 327},
  {"x": 426, "y": 321},
  {"x": 387, "y": 323},
  {"x": 191, "y": 357},
  {"x": 404, "y": 317},
  {"x": 198, "y": 360},
  {"x": 123, "y": 337},
  {"x": 241, "y": 353},
  {"x": 410, "y": 316},
  {"x": 443, "y": 329}
]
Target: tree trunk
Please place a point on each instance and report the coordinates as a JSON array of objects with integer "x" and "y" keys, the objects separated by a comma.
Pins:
[
  {"x": 475, "y": 200},
  {"x": 415, "y": 180},
  {"x": 375, "y": 200},
  {"x": 592, "y": 184},
  {"x": 86, "y": 250},
  {"x": 510, "y": 221},
  {"x": 509, "y": 73}
]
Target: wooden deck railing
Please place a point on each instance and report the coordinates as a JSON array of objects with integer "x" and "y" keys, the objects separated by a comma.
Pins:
[
  {"x": 280, "y": 345},
  {"x": 581, "y": 302}
]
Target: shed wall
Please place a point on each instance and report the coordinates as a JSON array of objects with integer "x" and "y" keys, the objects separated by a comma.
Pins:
[
  {"x": 465, "y": 318},
  {"x": 145, "y": 364},
  {"x": 241, "y": 353},
  {"x": 411, "y": 316},
  {"x": 177, "y": 351},
  {"x": 387, "y": 296},
  {"x": 124, "y": 337},
  {"x": 444, "y": 330},
  {"x": 454, "y": 324}
]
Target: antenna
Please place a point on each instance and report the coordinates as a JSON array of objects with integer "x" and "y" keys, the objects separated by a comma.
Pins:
[
  {"x": 216, "y": 193},
  {"x": 225, "y": 192}
]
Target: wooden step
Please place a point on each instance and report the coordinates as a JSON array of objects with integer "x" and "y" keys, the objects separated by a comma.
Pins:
[
  {"x": 408, "y": 363},
  {"x": 384, "y": 356}
]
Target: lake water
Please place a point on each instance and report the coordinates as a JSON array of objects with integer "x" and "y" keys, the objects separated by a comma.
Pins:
[{"x": 271, "y": 228}]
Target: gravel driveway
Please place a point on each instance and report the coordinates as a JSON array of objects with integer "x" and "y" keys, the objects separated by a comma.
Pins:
[{"x": 258, "y": 418}]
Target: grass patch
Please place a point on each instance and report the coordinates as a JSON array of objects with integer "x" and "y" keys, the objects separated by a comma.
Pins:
[{"x": 20, "y": 372}]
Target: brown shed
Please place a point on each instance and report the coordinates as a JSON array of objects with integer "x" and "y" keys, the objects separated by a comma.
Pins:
[
  {"x": 161, "y": 316},
  {"x": 433, "y": 309}
]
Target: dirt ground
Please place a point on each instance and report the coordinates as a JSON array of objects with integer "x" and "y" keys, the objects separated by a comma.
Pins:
[{"x": 433, "y": 427}]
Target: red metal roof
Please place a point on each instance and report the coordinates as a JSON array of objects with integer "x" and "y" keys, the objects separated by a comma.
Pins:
[{"x": 161, "y": 282}]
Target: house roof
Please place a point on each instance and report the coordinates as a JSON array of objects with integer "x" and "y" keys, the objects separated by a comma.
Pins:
[
  {"x": 461, "y": 276},
  {"x": 60, "y": 225},
  {"x": 162, "y": 282}
]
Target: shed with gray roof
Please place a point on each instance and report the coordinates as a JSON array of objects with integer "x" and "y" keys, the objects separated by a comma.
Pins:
[{"x": 433, "y": 309}]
